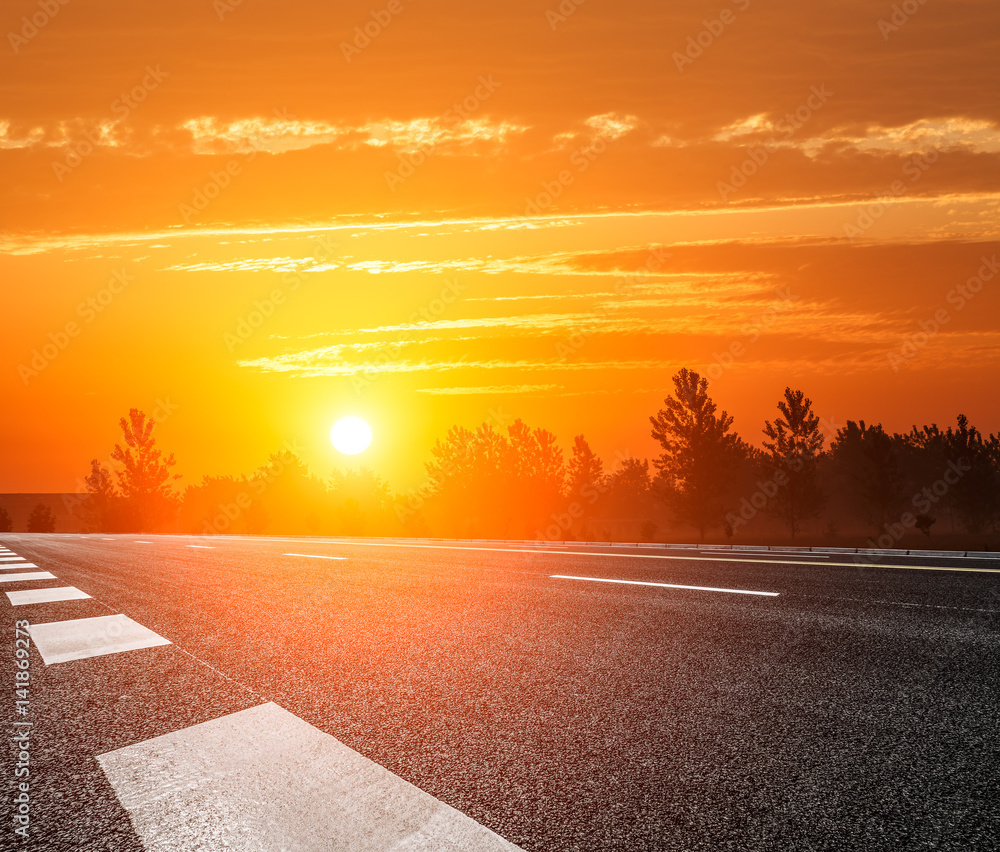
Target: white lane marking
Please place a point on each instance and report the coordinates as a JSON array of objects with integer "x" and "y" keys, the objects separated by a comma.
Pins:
[
  {"x": 665, "y": 585},
  {"x": 767, "y": 556},
  {"x": 8, "y": 566},
  {"x": 29, "y": 575},
  {"x": 270, "y": 780},
  {"x": 315, "y": 556},
  {"x": 344, "y": 542},
  {"x": 108, "y": 539},
  {"x": 59, "y": 641},
  {"x": 61, "y": 593},
  {"x": 201, "y": 546},
  {"x": 12, "y": 558},
  {"x": 142, "y": 542}
]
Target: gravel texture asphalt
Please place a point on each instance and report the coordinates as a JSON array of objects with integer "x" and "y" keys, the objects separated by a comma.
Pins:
[{"x": 857, "y": 710}]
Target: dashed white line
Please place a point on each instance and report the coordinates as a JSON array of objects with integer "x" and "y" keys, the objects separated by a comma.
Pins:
[
  {"x": 62, "y": 593},
  {"x": 665, "y": 585},
  {"x": 59, "y": 641},
  {"x": 315, "y": 556},
  {"x": 30, "y": 575},
  {"x": 201, "y": 546},
  {"x": 269, "y": 780}
]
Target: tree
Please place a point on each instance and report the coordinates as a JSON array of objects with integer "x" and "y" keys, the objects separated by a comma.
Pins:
[
  {"x": 972, "y": 459},
  {"x": 793, "y": 448},
  {"x": 145, "y": 476},
  {"x": 361, "y": 502},
  {"x": 700, "y": 453},
  {"x": 629, "y": 488},
  {"x": 957, "y": 470},
  {"x": 101, "y": 511},
  {"x": 585, "y": 482},
  {"x": 486, "y": 483},
  {"x": 41, "y": 519},
  {"x": 869, "y": 463},
  {"x": 5, "y": 523}
]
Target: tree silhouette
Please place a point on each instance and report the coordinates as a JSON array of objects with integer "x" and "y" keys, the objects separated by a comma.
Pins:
[
  {"x": 585, "y": 482},
  {"x": 145, "y": 476},
  {"x": 361, "y": 501},
  {"x": 700, "y": 453},
  {"x": 792, "y": 452},
  {"x": 101, "y": 511},
  {"x": 869, "y": 463},
  {"x": 41, "y": 519},
  {"x": 976, "y": 493},
  {"x": 5, "y": 522},
  {"x": 485, "y": 482}
]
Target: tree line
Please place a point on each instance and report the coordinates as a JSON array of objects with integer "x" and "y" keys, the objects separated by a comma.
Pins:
[{"x": 516, "y": 482}]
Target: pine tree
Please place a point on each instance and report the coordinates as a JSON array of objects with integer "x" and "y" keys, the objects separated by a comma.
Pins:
[
  {"x": 145, "y": 476},
  {"x": 791, "y": 458},
  {"x": 700, "y": 453}
]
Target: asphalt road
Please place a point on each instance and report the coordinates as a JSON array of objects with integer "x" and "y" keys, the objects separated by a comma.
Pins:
[{"x": 852, "y": 707}]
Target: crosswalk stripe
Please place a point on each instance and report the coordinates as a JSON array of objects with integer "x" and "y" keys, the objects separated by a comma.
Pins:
[
  {"x": 60, "y": 593},
  {"x": 59, "y": 641},
  {"x": 7, "y": 567},
  {"x": 28, "y": 575},
  {"x": 264, "y": 779}
]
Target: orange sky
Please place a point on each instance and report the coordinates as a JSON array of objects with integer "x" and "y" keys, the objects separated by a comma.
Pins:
[{"x": 529, "y": 209}]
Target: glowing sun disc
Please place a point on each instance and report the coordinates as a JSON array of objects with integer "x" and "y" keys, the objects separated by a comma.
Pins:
[{"x": 351, "y": 435}]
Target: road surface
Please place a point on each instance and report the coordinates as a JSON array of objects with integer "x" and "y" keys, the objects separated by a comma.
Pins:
[{"x": 204, "y": 693}]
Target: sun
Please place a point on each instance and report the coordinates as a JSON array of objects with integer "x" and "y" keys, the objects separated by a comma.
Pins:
[{"x": 351, "y": 435}]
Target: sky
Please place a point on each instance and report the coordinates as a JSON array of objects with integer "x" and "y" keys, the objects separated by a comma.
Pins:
[{"x": 253, "y": 218}]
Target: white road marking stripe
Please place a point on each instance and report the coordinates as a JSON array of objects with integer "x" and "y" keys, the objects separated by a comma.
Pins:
[
  {"x": 665, "y": 585},
  {"x": 12, "y": 558},
  {"x": 767, "y": 557},
  {"x": 30, "y": 575},
  {"x": 343, "y": 543},
  {"x": 8, "y": 566},
  {"x": 264, "y": 779},
  {"x": 108, "y": 539},
  {"x": 202, "y": 546},
  {"x": 142, "y": 542},
  {"x": 59, "y": 641},
  {"x": 315, "y": 556},
  {"x": 62, "y": 593}
]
